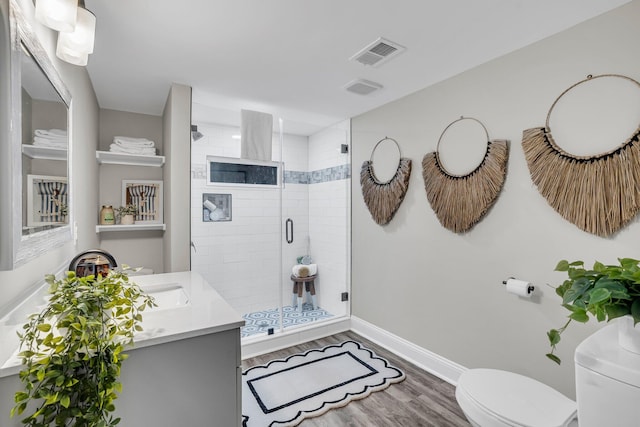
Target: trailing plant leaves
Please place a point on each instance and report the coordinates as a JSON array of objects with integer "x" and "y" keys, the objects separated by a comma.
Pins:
[
  {"x": 635, "y": 311},
  {"x": 606, "y": 291},
  {"x": 599, "y": 295},
  {"x": 554, "y": 358},
  {"x": 578, "y": 289},
  {"x": 72, "y": 350},
  {"x": 616, "y": 310},
  {"x": 554, "y": 336},
  {"x": 562, "y": 265}
]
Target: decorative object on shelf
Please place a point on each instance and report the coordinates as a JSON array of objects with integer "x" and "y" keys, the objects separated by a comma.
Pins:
[
  {"x": 126, "y": 214},
  {"x": 599, "y": 194},
  {"x": 107, "y": 216},
  {"x": 216, "y": 207},
  {"x": 606, "y": 292},
  {"x": 47, "y": 200},
  {"x": 147, "y": 196},
  {"x": 460, "y": 201},
  {"x": 72, "y": 350},
  {"x": 384, "y": 198}
]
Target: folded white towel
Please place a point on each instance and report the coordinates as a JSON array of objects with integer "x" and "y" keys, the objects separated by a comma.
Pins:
[
  {"x": 126, "y": 141},
  {"x": 145, "y": 151},
  {"x": 50, "y": 133},
  {"x": 302, "y": 270},
  {"x": 50, "y": 138},
  {"x": 49, "y": 143}
]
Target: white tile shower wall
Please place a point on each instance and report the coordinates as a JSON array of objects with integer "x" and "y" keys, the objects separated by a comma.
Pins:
[{"x": 240, "y": 257}]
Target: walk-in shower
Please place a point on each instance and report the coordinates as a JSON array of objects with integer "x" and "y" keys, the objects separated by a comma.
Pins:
[{"x": 253, "y": 221}]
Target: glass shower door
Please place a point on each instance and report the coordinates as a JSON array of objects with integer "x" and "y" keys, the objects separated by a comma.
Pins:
[{"x": 253, "y": 241}]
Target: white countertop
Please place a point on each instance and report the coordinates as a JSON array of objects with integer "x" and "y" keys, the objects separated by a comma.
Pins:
[{"x": 198, "y": 310}]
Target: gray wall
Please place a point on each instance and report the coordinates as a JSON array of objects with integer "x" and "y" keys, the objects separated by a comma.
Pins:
[
  {"x": 177, "y": 178},
  {"x": 444, "y": 291}
]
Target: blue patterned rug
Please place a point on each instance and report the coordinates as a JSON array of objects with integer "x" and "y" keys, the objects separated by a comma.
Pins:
[
  {"x": 260, "y": 322},
  {"x": 286, "y": 391}
]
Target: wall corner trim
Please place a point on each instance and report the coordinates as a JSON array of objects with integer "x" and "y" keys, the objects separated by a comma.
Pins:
[{"x": 431, "y": 362}]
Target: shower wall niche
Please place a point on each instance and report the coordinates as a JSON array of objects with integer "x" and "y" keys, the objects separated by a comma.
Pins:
[{"x": 247, "y": 258}]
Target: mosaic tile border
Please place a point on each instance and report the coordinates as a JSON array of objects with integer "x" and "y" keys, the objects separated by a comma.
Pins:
[
  {"x": 319, "y": 176},
  {"x": 335, "y": 173}
]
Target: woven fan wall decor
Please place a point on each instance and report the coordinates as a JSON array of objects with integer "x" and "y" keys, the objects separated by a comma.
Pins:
[
  {"x": 460, "y": 201},
  {"x": 599, "y": 194},
  {"x": 384, "y": 198}
]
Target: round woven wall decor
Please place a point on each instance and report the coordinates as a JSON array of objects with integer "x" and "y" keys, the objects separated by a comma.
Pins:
[
  {"x": 460, "y": 201},
  {"x": 599, "y": 194},
  {"x": 384, "y": 198}
]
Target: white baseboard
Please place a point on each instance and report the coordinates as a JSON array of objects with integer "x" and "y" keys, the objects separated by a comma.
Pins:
[{"x": 421, "y": 357}]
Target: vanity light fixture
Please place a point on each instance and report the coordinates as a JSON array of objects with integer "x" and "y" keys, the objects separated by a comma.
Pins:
[
  {"x": 74, "y": 47},
  {"x": 76, "y": 26},
  {"x": 59, "y": 15}
]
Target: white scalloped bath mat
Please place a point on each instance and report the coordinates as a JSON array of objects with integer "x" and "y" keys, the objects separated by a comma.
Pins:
[{"x": 284, "y": 392}]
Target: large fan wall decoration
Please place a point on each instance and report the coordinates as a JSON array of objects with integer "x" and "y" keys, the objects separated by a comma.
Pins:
[
  {"x": 599, "y": 194},
  {"x": 384, "y": 198},
  {"x": 460, "y": 201}
]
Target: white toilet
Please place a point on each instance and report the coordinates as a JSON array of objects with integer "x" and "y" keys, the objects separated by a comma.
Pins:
[
  {"x": 607, "y": 385},
  {"x": 494, "y": 398}
]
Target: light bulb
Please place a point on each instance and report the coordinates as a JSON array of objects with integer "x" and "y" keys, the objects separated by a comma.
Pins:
[{"x": 59, "y": 15}]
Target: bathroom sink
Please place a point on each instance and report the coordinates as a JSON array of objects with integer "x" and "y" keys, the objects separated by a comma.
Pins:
[{"x": 168, "y": 296}]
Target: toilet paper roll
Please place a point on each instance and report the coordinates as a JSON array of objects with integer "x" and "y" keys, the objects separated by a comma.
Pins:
[{"x": 520, "y": 287}]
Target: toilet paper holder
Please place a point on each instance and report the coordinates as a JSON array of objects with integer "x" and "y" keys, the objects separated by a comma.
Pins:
[{"x": 529, "y": 287}]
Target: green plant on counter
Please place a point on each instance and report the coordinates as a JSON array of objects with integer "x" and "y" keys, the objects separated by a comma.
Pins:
[
  {"x": 127, "y": 210},
  {"x": 72, "y": 351},
  {"x": 605, "y": 291}
]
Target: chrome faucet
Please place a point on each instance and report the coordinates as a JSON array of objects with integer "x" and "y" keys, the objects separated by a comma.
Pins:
[{"x": 92, "y": 262}]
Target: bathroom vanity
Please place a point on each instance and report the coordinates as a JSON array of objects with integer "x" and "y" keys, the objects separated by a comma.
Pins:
[{"x": 184, "y": 368}]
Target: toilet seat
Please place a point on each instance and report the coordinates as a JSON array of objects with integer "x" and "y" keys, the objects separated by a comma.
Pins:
[{"x": 491, "y": 397}]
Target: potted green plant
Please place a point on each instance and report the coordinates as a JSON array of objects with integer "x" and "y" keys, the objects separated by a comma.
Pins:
[
  {"x": 127, "y": 214},
  {"x": 72, "y": 351},
  {"x": 606, "y": 292}
]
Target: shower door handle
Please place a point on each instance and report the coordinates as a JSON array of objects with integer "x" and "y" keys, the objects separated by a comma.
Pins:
[{"x": 289, "y": 230}]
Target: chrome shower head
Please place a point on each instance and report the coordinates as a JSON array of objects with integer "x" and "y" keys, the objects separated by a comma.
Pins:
[{"x": 195, "y": 135}]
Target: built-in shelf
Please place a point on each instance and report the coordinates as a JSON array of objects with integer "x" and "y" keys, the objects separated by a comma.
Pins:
[
  {"x": 132, "y": 227},
  {"x": 108, "y": 157},
  {"x": 45, "y": 153}
]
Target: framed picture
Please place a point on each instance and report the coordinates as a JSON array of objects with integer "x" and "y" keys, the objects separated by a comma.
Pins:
[
  {"x": 216, "y": 207},
  {"x": 47, "y": 200},
  {"x": 147, "y": 196}
]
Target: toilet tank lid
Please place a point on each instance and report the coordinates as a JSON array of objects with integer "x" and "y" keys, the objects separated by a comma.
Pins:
[
  {"x": 519, "y": 400},
  {"x": 601, "y": 353}
]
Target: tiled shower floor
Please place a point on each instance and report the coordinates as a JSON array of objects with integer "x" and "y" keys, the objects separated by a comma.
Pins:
[{"x": 259, "y": 322}]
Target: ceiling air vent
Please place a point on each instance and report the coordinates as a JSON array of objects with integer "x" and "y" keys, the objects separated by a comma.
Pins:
[
  {"x": 362, "y": 87},
  {"x": 378, "y": 52}
]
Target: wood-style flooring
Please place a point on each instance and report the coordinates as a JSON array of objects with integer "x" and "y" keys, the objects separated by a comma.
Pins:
[{"x": 420, "y": 400}]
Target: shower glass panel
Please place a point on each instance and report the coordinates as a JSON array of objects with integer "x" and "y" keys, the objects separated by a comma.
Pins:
[{"x": 249, "y": 236}]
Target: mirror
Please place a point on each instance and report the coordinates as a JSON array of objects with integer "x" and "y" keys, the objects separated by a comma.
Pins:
[{"x": 40, "y": 191}]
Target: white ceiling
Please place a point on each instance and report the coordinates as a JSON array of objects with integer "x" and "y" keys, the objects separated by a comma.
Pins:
[{"x": 290, "y": 58}]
